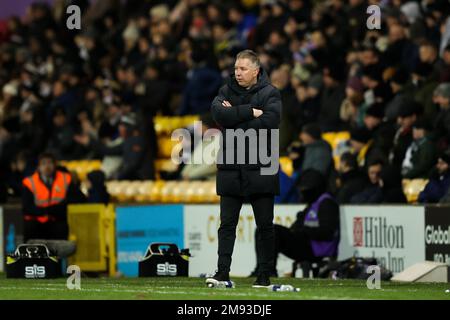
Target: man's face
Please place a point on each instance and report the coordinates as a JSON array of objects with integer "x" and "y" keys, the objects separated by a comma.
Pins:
[
  {"x": 368, "y": 57},
  {"x": 446, "y": 56},
  {"x": 427, "y": 54},
  {"x": 245, "y": 72},
  {"x": 306, "y": 138},
  {"x": 442, "y": 166},
  {"x": 407, "y": 122},
  {"x": 59, "y": 120},
  {"x": 371, "y": 122},
  {"x": 418, "y": 133},
  {"x": 442, "y": 101},
  {"x": 343, "y": 167},
  {"x": 46, "y": 167},
  {"x": 374, "y": 172}
]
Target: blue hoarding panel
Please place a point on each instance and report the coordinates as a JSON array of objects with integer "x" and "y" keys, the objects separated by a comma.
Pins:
[{"x": 137, "y": 227}]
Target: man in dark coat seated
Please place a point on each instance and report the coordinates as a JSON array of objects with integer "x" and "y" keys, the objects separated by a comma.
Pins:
[{"x": 315, "y": 233}]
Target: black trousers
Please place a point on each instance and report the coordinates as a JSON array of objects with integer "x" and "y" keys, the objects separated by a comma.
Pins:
[
  {"x": 294, "y": 245},
  {"x": 230, "y": 208},
  {"x": 52, "y": 230}
]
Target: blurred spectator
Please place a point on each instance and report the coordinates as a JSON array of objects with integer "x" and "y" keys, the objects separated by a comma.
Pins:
[
  {"x": 203, "y": 159},
  {"x": 423, "y": 86},
  {"x": 203, "y": 83},
  {"x": 398, "y": 83},
  {"x": 97, "y": 192},
  {"x": 381, "y": 132},
  {"x": 372, "y": 192},
  {"x": 21, "y": 167},
  {"x": 444, "y": 75},
  {"x": 350, "y": 106},
  {"x": 361, "y": 144},
  {"x": 421, "y": 153},
  {"x": 313, "y": 153},
  {"x": 391, "y": 186},
  {"x": 403, "y": 138},
  {"x": 439, "y": 181},
  {"x": 441, "y": 132},
  {"x": 428, "y": 53},
  {"x": 400, "y": 50},
  {"x": 331, "y": 98},
  {"x": 377, "y": 90},
  {"x": 351, "y": 180},
  {"x": 61, "y": 142},
  {"x": 77, "y": 196}
]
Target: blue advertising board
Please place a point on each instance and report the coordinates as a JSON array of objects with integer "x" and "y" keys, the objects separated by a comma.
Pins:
[{"x": 137, "y": 227}]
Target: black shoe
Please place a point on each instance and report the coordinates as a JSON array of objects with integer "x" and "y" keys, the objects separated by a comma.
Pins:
[
  {"x": 219, "y": 280},
  {"x": 220, "y": 276},
  {"x": 262, "y": 281}
]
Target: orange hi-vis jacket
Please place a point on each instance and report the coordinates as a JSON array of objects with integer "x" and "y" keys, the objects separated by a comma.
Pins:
[{"x": 43, "y": 197}]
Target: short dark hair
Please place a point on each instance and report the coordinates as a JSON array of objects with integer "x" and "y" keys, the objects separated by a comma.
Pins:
[
  {"x": 47, "y": 155},
  {"x": 312, "y": 129},
  {"x": 375, "y": 161},
  {"x": 251, "y": 55}
]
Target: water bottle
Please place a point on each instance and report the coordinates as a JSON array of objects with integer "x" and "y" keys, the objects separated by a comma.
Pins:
[
  {"x": 225, "y": 284},
  {"x": 289, "y": 288},
  {"x": 221, "y": 284},
  {"x": 274, "y": 287},
  {"x": 283, "y": 287}
]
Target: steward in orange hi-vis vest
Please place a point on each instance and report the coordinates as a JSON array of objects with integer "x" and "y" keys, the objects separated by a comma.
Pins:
[
  {"x": 46, "y": 194},
  {"x": 43, "y": 197}
]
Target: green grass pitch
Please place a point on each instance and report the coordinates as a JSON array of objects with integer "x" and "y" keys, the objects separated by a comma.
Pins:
[{"x": 195, "y": 289}]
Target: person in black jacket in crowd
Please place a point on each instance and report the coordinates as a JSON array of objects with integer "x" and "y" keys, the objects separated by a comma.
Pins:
[
  {"x": 439, "y": 182},
  {"x": 407, "y": 116},
  {"x": 391, "y": 186},
  {"x": 97, "y": 192},
  {"x": 248, "y": 102},
  {"x": 315, "y": 232},
  {"x": 371, "y": 193},
  {"x": 351, "y": 180}
]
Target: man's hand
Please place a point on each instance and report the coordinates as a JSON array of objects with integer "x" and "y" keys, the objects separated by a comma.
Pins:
[
  {"x": 257, "y": 112},
  {"x": 82, "y": 139},
  {"x": 226, "y": 103}
]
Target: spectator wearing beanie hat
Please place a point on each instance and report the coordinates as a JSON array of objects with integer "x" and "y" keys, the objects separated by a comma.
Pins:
[
  {"x": 372, "y": 78},
  {"x": 317, "y": 152},
  {"x": 439, "y": 181},
  {"x": 407, "y": 115},
  {"x": 360, "y": 142},
  {"x": 398, "y": 84},
  {"x": 331, "y": 98},
  {"x": 441, "y": 97},
  {"x": 354, "y": 93},
  {"x": 421, "y": 154},
  {"x": 423, "y": 87},
  {"x": 382, "y": 132}
]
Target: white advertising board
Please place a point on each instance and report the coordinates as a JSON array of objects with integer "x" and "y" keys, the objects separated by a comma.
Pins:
[{"x": 392, "y": 234}]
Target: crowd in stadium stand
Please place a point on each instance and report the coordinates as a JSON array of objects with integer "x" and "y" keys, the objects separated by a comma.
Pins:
[{"x": 93, "y": 93}]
